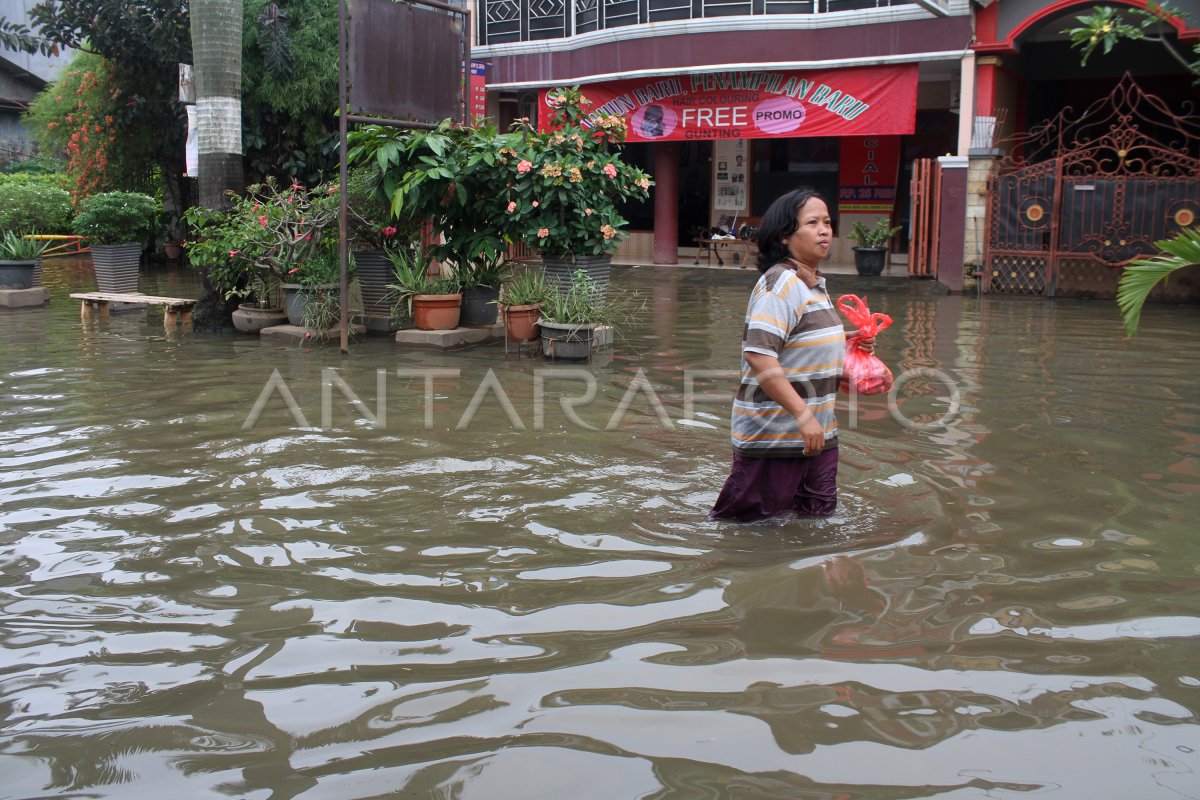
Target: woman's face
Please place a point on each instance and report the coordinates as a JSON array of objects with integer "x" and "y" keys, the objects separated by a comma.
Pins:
[{"x": 814, "y": 233}]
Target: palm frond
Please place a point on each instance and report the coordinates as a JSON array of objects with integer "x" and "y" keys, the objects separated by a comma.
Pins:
[{"x": 1143, "y": 274}]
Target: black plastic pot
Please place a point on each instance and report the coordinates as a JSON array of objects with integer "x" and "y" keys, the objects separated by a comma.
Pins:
[{"x": 870, "y": 260}]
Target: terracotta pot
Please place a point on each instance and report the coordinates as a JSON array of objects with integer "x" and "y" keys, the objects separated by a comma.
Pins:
[
  {"x": 436, "y": 312},
  {"x": 520, "y": 323},
  {"x": 172, "y": 250}
]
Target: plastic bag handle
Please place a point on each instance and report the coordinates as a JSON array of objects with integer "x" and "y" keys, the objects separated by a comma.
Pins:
[{"x": 860, "y": 316}]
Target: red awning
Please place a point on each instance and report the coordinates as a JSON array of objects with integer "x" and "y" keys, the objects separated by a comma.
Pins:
[{"x": 762, "y": 104}]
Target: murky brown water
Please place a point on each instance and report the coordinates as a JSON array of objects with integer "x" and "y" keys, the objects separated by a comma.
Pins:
[{"x": 1005, "y": 607}]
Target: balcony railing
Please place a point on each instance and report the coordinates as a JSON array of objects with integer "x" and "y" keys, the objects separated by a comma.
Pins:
[{"x": 502, "y": 21}]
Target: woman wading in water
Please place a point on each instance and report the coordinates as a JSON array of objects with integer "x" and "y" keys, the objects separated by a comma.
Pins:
[{"x": 785, "y": 436}]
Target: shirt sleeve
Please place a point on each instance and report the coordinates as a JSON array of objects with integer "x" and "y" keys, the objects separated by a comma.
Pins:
[{"x": 770, "y": 319}]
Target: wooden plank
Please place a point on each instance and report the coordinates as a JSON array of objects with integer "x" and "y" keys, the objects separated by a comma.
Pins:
[{"x": 142, "y": 299}]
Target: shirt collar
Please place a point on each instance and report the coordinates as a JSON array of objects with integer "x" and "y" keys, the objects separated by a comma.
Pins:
[{"x": 810, "y": 276}]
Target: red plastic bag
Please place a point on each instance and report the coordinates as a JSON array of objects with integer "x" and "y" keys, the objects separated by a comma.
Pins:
[{"x": 863, "y": 373}]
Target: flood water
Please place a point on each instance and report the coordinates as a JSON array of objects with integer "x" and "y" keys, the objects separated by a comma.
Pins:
[{"x": 492, "y": 593}]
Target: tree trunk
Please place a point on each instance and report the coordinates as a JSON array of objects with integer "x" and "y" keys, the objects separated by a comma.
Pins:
[{"x": 217, "y": 52}]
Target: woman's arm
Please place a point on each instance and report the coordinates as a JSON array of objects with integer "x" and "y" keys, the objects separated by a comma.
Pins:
[{"x": 770, "y": 376}]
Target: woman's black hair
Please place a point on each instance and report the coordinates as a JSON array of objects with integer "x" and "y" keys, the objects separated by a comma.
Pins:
[{"x": 780, "y": 221}]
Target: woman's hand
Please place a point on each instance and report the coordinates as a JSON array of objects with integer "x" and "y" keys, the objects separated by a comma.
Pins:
[
  {"x": 865, "y": 343},
  {"x": 813, "y": 433}
]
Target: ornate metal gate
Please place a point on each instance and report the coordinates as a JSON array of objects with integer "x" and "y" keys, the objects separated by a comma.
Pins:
[{"x": 1079, "y": 197}]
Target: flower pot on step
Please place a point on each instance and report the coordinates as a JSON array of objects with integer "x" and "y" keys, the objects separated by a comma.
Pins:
[
  {"x": 249, "y": 318},
  {"x": 870, "y": 261},
  {"x": 436, "y": 312},
  {"x": 17, "y": 274},
  {"x": 296, "y": 297},
  {"x": 479, "y": 305}
]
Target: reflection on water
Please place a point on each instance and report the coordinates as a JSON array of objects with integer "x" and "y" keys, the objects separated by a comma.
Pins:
[{"x": 514, "y": 601}]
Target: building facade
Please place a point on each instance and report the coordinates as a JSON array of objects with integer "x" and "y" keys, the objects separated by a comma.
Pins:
[{"x": 732, "y": 102}]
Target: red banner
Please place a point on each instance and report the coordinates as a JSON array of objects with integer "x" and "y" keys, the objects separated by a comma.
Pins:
[
  {"x": 477, "y": 102},
  {"x": 865, "y": 101},
  {"x": 867, "y": 171}
]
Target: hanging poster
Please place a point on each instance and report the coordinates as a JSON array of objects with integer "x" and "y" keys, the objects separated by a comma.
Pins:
[
  {"x": 729, "y": 183},
  {"x": 867, "y": 170},
  {"x": 477, "y": 91},
  {"x": 761, "y": 104}
]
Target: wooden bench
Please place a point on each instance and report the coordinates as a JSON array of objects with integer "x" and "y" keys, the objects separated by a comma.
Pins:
[
  {"x": 176, "y": 310},
  {"x": 746, "y": 248}
]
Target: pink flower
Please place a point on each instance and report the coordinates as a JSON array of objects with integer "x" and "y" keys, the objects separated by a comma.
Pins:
[
  {"x": 543, "y": 233},
  {"x": 610, "y": 170},
  {"x": 233, "y": 252},
  {"x": 536, "y": 204},
  {"x": 293, "y": 269},
  {"x": 262, "y": 221},
  {"x": 524, "y": 166},
  {"x": 333, "y": 189},
  {"x": 512, "y": 206},
  {"x": 389, "y": 231},
  {"x": 297, "y": 186},
  {"x": 588, "y": 211}
]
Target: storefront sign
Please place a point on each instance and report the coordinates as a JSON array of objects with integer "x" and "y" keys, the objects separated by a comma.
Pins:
[
  {"x": 477, "y": 91},
  {"x": 761, "y": 104},
  {"x": 867, "y": 170}
]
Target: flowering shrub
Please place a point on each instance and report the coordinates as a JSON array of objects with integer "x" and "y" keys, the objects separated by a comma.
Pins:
[
  {"x": 564, "y": 184},
  {"x": 76, "y": 115},
  {"x": 481, "y": 189},
  {"x": 270, "y": 235}
]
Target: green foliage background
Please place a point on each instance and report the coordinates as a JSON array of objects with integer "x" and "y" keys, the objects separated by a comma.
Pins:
[{"x": 289, "y": 127}]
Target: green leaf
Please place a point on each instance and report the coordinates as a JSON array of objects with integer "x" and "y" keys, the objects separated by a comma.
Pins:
[{"x": 1143, "y": 274}]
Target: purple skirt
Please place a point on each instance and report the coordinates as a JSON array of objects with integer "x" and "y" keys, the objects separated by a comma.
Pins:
[{"x": 758, "y": 488}]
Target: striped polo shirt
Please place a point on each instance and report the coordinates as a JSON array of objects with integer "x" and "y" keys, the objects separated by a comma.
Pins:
[{"x": 791, "y": 317}]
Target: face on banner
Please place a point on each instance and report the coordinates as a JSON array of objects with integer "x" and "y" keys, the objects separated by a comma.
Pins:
[{"x": 761, "y": 104}]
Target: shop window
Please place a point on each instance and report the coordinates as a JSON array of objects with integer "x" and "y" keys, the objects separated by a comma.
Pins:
[
  {"x": 640, "y": 213},
  {"x": 781, "y": 165}
]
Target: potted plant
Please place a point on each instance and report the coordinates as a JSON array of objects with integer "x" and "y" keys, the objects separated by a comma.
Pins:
[
  {"x": 480, "y": 189},
  {"x": 564, "y": 186},
  {"x": 481, "y": 282},
  {"x": 316, "y": 282},
  {"x": 433, "y": 302},
  {"x": 570, "y": 317},
  {"x": 521, "y": 301},
  {"x": 449, "y": 179},
  {"x": 373, "y": 231},
  {"x": 116, "y": 225},
  {"x": 19, "y": 257},
  {"x": 261, "y": 244},
  {"x": 870, "y": 256},
  {"x": 35, "y": 206}
]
